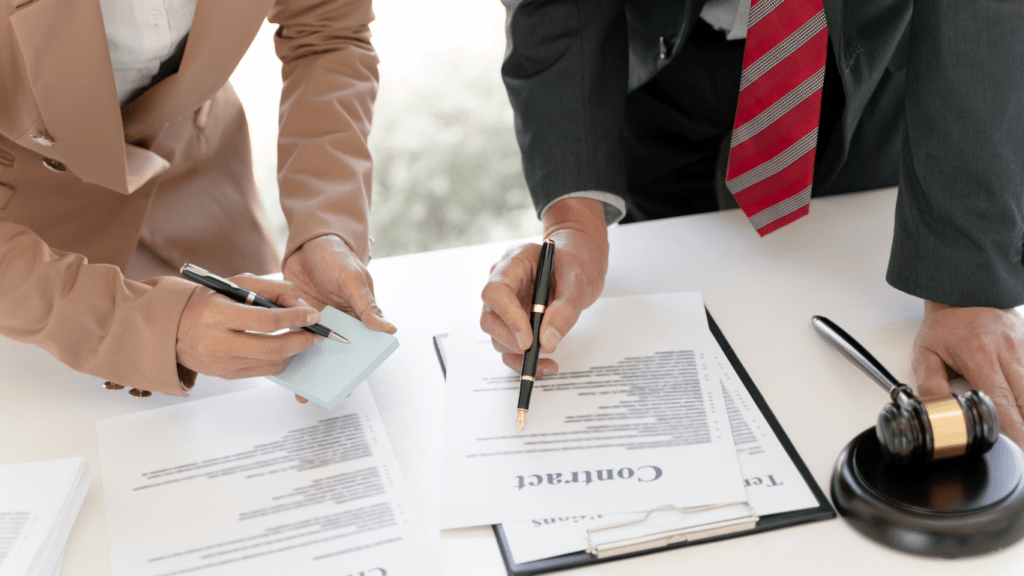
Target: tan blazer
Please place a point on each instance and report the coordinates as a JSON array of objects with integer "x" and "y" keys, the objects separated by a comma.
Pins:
[{"x": 82, "y": 182}]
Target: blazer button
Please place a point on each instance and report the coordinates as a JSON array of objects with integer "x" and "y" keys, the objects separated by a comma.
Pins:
[
  {"x": 140, "y": 393},
  {"x": 43, "y": 139},
  {"x": 54, "y": 165}
]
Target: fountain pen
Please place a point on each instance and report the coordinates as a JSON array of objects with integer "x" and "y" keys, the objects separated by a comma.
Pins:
[
  {"x": 239, "y": 294},
  {"x": 541, "y": 286}
]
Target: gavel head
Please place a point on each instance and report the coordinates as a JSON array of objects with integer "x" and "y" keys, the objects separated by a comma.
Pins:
[{"x": 938, "y": 427}]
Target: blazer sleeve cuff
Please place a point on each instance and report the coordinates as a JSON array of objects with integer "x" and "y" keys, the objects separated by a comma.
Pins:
[{"x": 160, "y": 371}]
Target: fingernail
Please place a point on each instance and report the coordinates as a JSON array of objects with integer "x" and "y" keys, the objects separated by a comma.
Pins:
[
  {"x": 525, "y": 340},
  {"x": 551, "y": 339},
  {"x": 545, "y": 371},
  {"x": 312, "y": 318},
  {"x": 318, "y": 340}
]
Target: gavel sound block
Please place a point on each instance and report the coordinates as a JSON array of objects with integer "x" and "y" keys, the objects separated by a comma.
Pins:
[
  {"x": 947, "y": 508},
  {"x": 931, "y": 479}
]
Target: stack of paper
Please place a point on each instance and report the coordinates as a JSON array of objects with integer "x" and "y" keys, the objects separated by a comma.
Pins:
[
  {"x": 645, "y": 412},
  {"x": 39, "y": 502}
]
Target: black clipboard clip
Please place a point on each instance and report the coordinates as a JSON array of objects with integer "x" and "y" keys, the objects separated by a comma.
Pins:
[{"x": 633, "y": 544}]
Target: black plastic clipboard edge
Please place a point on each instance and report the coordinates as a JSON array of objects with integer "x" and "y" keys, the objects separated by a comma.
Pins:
[{"x": 823, "y": 511}]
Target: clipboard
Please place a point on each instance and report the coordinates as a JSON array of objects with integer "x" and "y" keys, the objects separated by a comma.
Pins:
[{"x": 631, "y": 547}]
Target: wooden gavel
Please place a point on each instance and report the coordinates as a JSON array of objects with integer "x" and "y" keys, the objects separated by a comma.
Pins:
[{"x": 912, "y": 429}]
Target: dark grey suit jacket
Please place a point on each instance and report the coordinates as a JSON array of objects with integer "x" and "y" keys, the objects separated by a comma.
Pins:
[{"x": 949, "y": 72}]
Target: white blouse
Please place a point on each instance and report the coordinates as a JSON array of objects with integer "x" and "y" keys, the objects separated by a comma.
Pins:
[{"x": 142, "y": 35}]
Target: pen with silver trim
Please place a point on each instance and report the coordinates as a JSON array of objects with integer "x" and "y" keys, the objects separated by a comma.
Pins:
[
  {"x": 541, "y": 287},
  {"x": 239, "y": 294}
]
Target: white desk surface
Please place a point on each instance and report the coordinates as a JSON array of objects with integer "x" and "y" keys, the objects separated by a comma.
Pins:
[{"x": 762, "y": 293}]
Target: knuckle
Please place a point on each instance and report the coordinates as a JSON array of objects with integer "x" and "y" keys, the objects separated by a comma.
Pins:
[
  {"x": 499, "y": 346},
  {"x": 243, "y": 278},
  {"x": 1009, "y": 341},
  {"x": 489, "y": 293},
  {"x": 1002, "y": 397},
  {"x": 265, "y": 323},
  {"x": 488, "y": 322},
  {"x": 1018, "y": 398}
]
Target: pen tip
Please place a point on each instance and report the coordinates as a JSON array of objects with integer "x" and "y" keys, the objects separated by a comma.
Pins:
[
  {"x": 338, "y": 338},
  {"x": 520, "y": 421}
]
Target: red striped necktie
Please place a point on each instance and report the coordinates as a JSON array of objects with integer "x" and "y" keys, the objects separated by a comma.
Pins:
[{"x": 771, "y": 157}]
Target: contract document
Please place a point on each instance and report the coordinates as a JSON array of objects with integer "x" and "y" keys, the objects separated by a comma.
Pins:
[
  {"x": 634, "y": 419},
  {"x": 771, "y": 481},
  {"x": 255, "y": 483}
]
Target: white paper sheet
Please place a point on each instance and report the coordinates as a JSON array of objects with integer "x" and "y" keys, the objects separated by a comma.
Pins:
[
  {"x": 256, "y": 483},
  {"x": 39, "y": 502},
  {"x": 771, "y": 480},
  {"x": 635, "y": 405}
]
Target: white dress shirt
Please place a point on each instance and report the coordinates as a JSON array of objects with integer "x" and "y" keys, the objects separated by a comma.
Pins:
[
  {"x": 142, "y": 35},
  {"x": 729, "y": 16}
]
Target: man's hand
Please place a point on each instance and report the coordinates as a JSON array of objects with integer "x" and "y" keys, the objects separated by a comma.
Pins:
[
  {"x": 327, "y": 272},
  {"x": 214, "y": 331},
  {"x": 581, "y": 261},
  {"x": 985, "y": 346}
]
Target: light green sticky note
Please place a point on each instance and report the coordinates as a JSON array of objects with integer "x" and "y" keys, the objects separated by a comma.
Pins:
[{"x": 328, "y": 372}]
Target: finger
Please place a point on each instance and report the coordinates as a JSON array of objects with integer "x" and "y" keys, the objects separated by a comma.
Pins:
[
  {"x": 545, "y": 366},
  {"x": 278, "y": 291},
  {"x": 989, "y": 378},
  {"x": 503, "y": 302},
  {"x": 513, "y": 361},
  {"x": 563, "y": 312},
  {"x": 255, "y": 371},
  {"x": 501, "y": 336},
  {"x": 240, "y": 317},
  {"x": 932, "y": 375},
  {"x": 358, "y": 291},
  {"x": 300, "y": 399},
  {"x": 1013, "y": 372},
  {"x": 500, "y": 347},
  {"x": 272, "y": 349}
]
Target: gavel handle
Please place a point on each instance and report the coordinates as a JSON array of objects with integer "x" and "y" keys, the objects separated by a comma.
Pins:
[{"x": 859, "y": 355}]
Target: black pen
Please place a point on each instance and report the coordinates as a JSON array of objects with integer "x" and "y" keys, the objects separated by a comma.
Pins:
[
  {"x": 239, "y": 294},
  {"x": 541, "y": 286}
]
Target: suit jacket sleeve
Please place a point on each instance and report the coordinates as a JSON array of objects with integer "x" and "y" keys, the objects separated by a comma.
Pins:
[
  {"x": 89, "y": 316},
  {"x": 565, "y": 70},
  {"x": 959, "y": 232},
  {"x": 330, "y": 83}
]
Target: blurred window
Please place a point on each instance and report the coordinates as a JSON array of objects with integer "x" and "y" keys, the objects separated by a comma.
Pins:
[{"x": 447, "y": 168}]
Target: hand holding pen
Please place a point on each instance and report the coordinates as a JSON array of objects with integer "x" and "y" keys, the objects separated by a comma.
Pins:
[
  {"x": 215, "y": 335},
  {"x": 577, "y": 281}
]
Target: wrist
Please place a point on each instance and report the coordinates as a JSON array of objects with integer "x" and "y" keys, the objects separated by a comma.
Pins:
[{"x": 584, "y": 215}]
